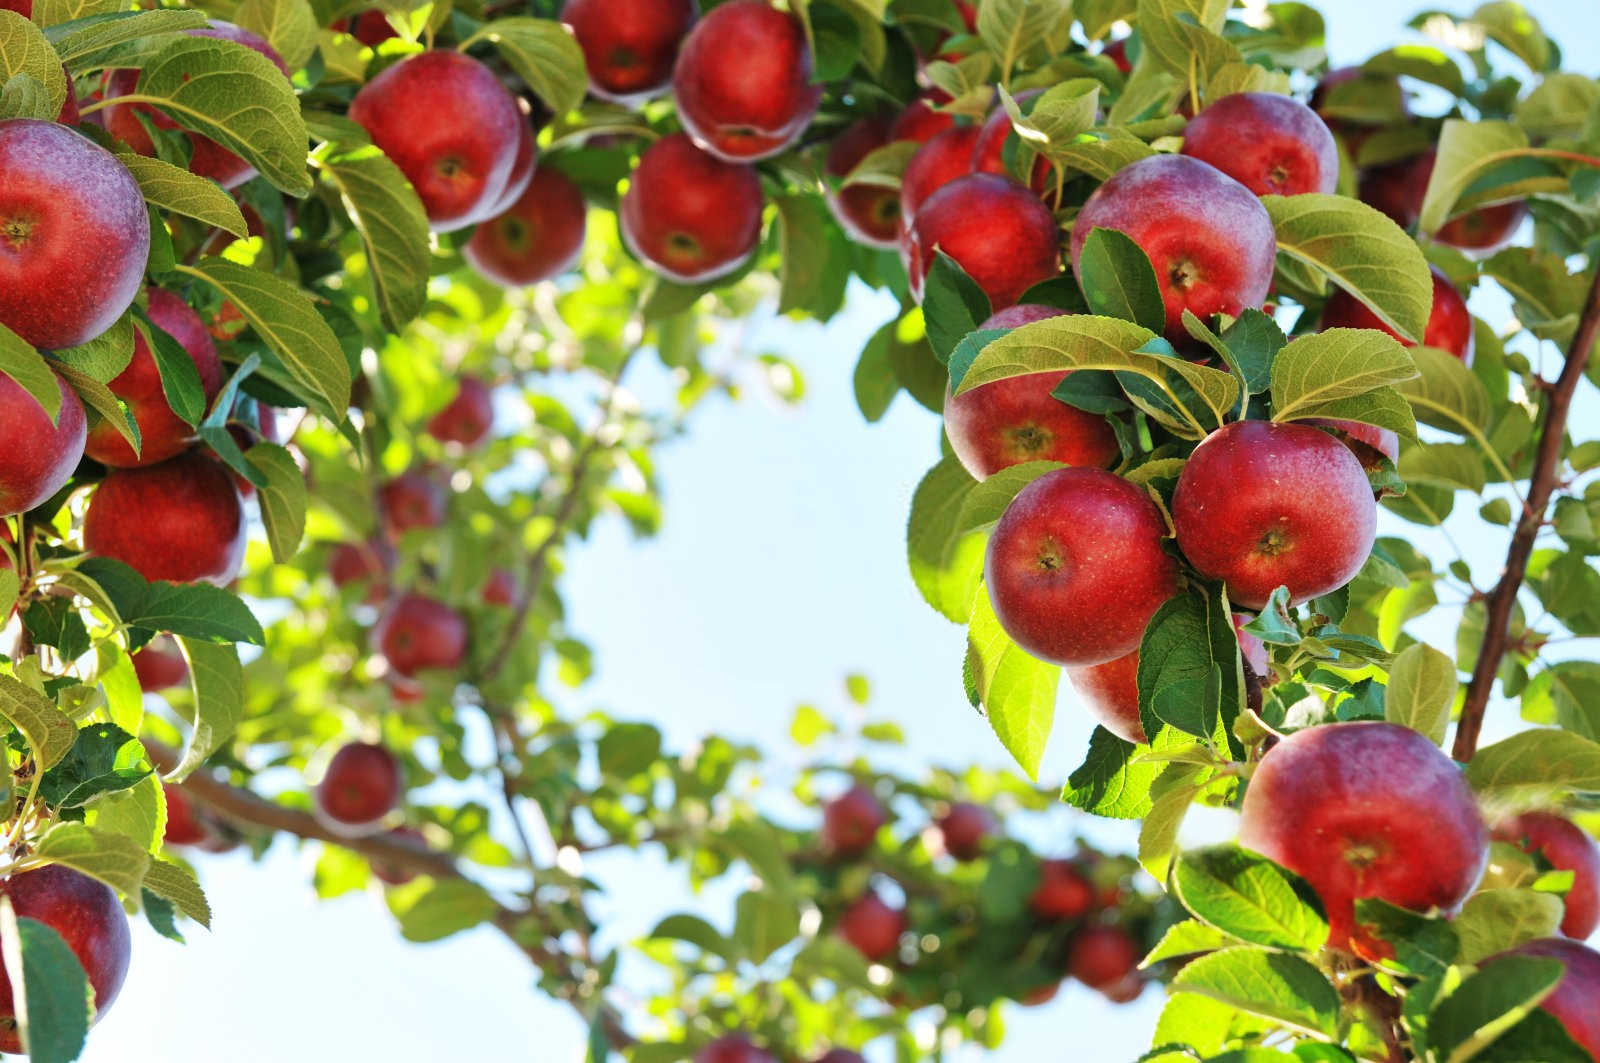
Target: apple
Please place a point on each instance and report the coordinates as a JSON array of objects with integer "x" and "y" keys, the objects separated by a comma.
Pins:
[
  {"x": 1126, "y": 990},
  {"x": 414, "y": 499},
  {"x": 501, "y": 587},
  {"x": 868, "y": 214},
  {"x": 37, "y": 457},
  {"x": 873, "y": 927},
  {"x": 246, "y": 437},
  {"x": 537, "y": 237},
  {"x": 851, "y": 821},
  {"x": 1075, "y": 567},
  {"x": 162, "y": 433},
  {"x": 418, "y": 633},
  {"x": 184, "y": 825},
  {"x": 842, "y": 1055},
  {"x": 1102, "y": 957},
  {"x": 361, "y": 785},
  {"x": 1261, "y": 505},
  {"x": 1398, "y": 189},
  {"x": 1367, "y": 442},
  {"x": 21, "y": 7},
  {"x": 690, "y": 215},
  {"x": 451, "y": 127},
  {"x": 1565, "y": 846},
  {"x": 1063, "y": 893},
  {"x": 1367, "y": 809},
  {"x": 743, "y": 82},
  {"x": 180, "y": 520},
  {"x": 997, "y": 230},
  {"x": 1271, "y": 144},
  {"x": 1117, "y": 52},
  {"x": 160, "y": 668},
  {"x": 965, "y": 829},
  {"x": 945, "y": 157},
  {"x": 89, "y": 918},
  {"x": 732, "y": 1048},
  {"x": 393, "y": 874},
  {"x": 919, "y": 121},
  {"x": 69, "y": 113},
  {"x": 75, "y": 233},
  {"x": 1449, "y": 325},
  {"x": 468, "y": 418},
  {"x": 1043, "y": 995},
  {"x": 629, "y": 45},
  {"x": 1573, "y": 1001},
  {"x": 1485, "y": 230},
  {"x": 988, "y": 150},
  {"x": 1209, "y": 238},
  {"x": 208, "y": 158},
  {"x": 371, "y": 27},
  {"x": 523, "y": 165},
  {"x": 363, "y": 563}
]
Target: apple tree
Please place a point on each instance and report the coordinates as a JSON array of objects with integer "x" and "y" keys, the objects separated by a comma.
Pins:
[{"x": 316, "y": 325}]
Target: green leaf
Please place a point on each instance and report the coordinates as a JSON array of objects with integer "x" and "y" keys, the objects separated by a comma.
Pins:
[
  {"x": 49, "y": 731},
  {"x": 285, "y": 318},
  {"x": 23, "y": 97},
  {"x": 1339, "y": 364},
  {"x": 1445, "y": 393},
  {"x": 952, "y": 305},
  {"x": 695, "y": 931},
  {"x": 24, "y": 49},
  {"x": 1535, "y": 763},
  {"x": 290, "y": 26},
  {"x": 197, "y": 610},
  {"x": 1422, "y": 686},
  {"x": 1189, "y": 675},
  {"x": 1017, "y": 691},
  {"x": 1276, "y": 986},
  {"x": 1119, "y": 281},
  {"x": 138, "y": 813},
  {"x": 1489, "y": 1003},
  {"x": 1511, "y": 24},
  {"x": 53, "y": 12},
  {"x": 1158, "y": 833},
  {"x": 1494, "y": 920},
  {"x": 218, "y": 682},
  {"x": 180, "y": 377},
  {"x": 52, "y": 997},
  {"x": 1361, "y": 251},
  {"x": 104, "y": 758},
  {"x": 1009, "y": 27},
  {"x": 874, "y": 380},
  {"x": 1115, "y": 778},
  {"x": 628, "y": 749},
  {"x": 235, "y": 96},
  {"x": 815, "y": 262},
  {"x": 1186, "y": 938},
  {"x": 175, "y": 189},
  {"x": 544, "y": 54},
  {"x": 1419, "y": 945},
  {"x": 88, "y": 42},
  {"x": 105, "y": 357},
  {"x": 1250, "y": 898},
  {"x": 114, "y": 859},
  {"x": 20, "y": 362},
  {"x": 283, "y": 499},
  {"x": 764, "y": 922},
  {"x": 393, "y": 228},
  {"x": 177, "y": 884},
  {"x": 1469, "y": 155},
  {"x": 758, "y": 844},
  {"x": 1183, "y": 37},
  {"x": 440, "y": 908}
]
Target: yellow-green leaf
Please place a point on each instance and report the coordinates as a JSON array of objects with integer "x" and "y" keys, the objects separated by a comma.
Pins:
[{"x": 544, "y": 54}]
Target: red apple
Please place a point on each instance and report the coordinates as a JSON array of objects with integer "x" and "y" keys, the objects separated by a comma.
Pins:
[
  {"x": 1208, "y": 236},
  {"x": 160, "y": 668},
  {"x": 368, "y": 563},
  {"x": 180, "y": 521},
  {"x": 75, "y": 234},
  {"x": 451, "y": 127},
  {"x": 998, "y": 231},
  {"x": 1485, "y": 230},
  {"x": 1117, "y": 52},
  {"x": 162, "y": 433},
  {"x": 37, "y": 457},
  {"x": 842, "y": 1055},
  {"x": 851, "y": 821},
  {"x": 69, "y": 113},
  {"x": 688, "y": 214},
  {"x": 361, "y": 786},
  {"x": 501, "y": 587},
  {"x": 1399, "y": 188},
  {"x": 742, "y": 82},
  {"x": 1396, "y": 188},
  {"x": 414, "y": 499},
  {"x": 1126, "y": 990},
  {"x": 1110, "y": 691},
  {"x": 919, "y": 121},
  {"x": 417, "y": 633},
  {"x": 988, "y": 151},
  {"x": 629, "y": 45},
  {"x": 89, "y": 918},
  {"x": 1062, "y": 893},
  {"x": 1573, "y": 1001},
  {"x": 938, "y": 162},
  {"x": 1102, "y": 957},
  {"x": 393, "y": 874},
  {"x": 184, "y": 825},
  {"x": 538, "y": 237},
  {"x": 468, "y": 418},
  {"x": 371, "y": 28},
  {"x": 965, "y": 829},
  {"x": 873, "y": 927},
  {"x": 1367, "y": 442},
  {"x": 869, "y": 214},
  {"x": 1254, "y": 508},
  {"x": 1449, "y": 322},
  {"x": 1043, "y": 995},
  {"x": 732, "y": 1048},
  {"x": 1367, "y": 809},
  {"x": 1075, "y": 567},
  {"x": 21, "y": 7},
  {"x": 1563, "y": 845},
  {"x": 1271, "y": 144},
  {"x": 523, "y": 165}
]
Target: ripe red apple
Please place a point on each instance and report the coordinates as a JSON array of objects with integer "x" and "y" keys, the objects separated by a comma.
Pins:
[
  {"x": 89, "y": 918},
  {"x": 842, "y": 1055},
  {"x": 180, "y": 520},
  {"x": 371, "y": 28},
  {"x": 1367, "y": 809},
  {"x": 629, "y": 45},
  {"x": 1565, "y": 847},
  {"x": 938, "y": 162},
  {"x": 1261, "y": 505},
  {"x": 1271, "y": 144},
  {"x": 999, "y": 232},
  {"x": 1449, "y": 322},
  {"x": 523, "y": 165},
  {"x": 1063, "y": 893},
  {"x": 162, "y": 433},
  {"x": 209, "y": 159},
  {"x": 159, "y": 668},
  {"x": 1117, "y": 52},
  {"x": 988, "y": 151},
  {"x": 1367, "y": 442},
  {"x": 69, "y": 113},
  {"x": 742, "y": 82},
  {"x": 451, "y": 127},
  {"x": 732, "y": 1048},
  {"x": 1075, "y": 567},
  {"x": 1208, "y": 236},
  {"x": 538, "y": 237},
  {"x": 361, "y": 785},
  {"x": 1573, "y": 1001},
  {"x": 184, "y": 825},
  {"x": 1126, "y": 990},
  {"x": 1398, "y": 189},
  {"x": 501, "y": 587},
  {"x": 417, "y": 633},
  {"x": 1102, "y": 957},
  {"x": 393, "y": 874},
  {"x": 690, "y": 215},
  {"x": 37, "y": 457},
  {"x": 75, "y": 233},
  {"x": 873, "y": 927},
  {"x": 1043, "y": 995},
  {"x": 1485, "y": 230},
  {"x": 21, "y": 7},
  {"x": 965, "y": 829},
  {"x": 851, "y": 821},
  {"x": 414, "y": 499},
  {"x": 869, "y": 214},
  {"x": 919, "y": 121},
  {"x": 368, "y": 563},
  {"x": 468, "y": 418}
]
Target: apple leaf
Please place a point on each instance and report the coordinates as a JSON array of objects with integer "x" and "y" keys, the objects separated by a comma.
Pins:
[
  {"x": 816, "y": 259},
  {"x": 544, "y": 53},
  {"x": 24, "y": 49},
  {"x": 1276, "y": 986},
  {"x": 180, "y": 377},
  {"x": 103, "y": 358},
  {"x": 218, "y": 683},
  {"x": 177, "y": 883},
  {"x": 1009, "y": 27},
  {"x": 874, "y": 381},
  {"x": 290, "y": 26},
  {"x": 23, "y": 97},
  {"x": 392, "y": 224},
  {"x": 764, "y": 922},
  {"x": 197, "y": 610},
  {"x": 1489, "y": 1003},
  {"x": 1535, "y": 763},
  {"x": 1250, "y": 898},
  {"x": 1118, "y": 280},
  {"x": 1494, "y": 920},
  {"x": 175, "y": 189},
  {"x": 882, "y": 167},
  {"x": 952, "y": 306},
  {"x": 1336, "y": 365},
  {"x": 1445, "y": 393},
  {"x": 26, "y": 366},
  {"x": 49, "y": 988},
  {"x": 1422, "y": 685},
  {"x": 1471, "y": 168},
  {"x": 1016, "y": 691},
  {"x": 1185, "y": 36},
  {"x": 48, "y": 13},
  {"x": 49, "y": 731},
  {"x": 695, "y": 931},
  {"x": 431, "y": 910},
  {"x": 94, "y": 40},
  {"x": 1099, "y": 152},
  {"x": 138, "y": 812},
  {"x": 1420, "y": 945},
  {"x": 1115, "y": 777},
  {"x": 1186, "y": 938},
  {"x": 283, "y": 498},
  {"x": 1171, "y": 795},
  {"x": 114, "y": 859}
]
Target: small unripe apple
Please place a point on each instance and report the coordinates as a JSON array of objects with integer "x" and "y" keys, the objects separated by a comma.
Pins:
[
  {"x": 1102, "y": 957},
  {"x": 1254, "y": 507},
  {"x": 1449, "y": 325},
  {"x": 1367, "y": 809},
  {"x": 996, "y": 230},
  {"x": 873, "y": 927},
  {"x": 362, "y": 785},
  {"x": 1063, "y": 893},
  {"x": 965, "y": 829},
  {"x": 37, "y": 458},
  {"x": 159, "y": 668},
  {"x": 1573, "y": 1002},
  {"x": 690, "y": 215},
  {"x": 629, "y": 45},
  {"x": 851, "y": 821},
  {"x": 941, "y": 160},
  {"x": 180, "y": 520},
  {"x": 869, "y": 214},
  {"x": 538, "y": 236},
  {"x": 1273, "y": 145},
  {"x": 732, "y": 1048},
  {"x": 184, "y": 825},
  {"x": 1565, "y": 847},
  {"x": 1075, "y": 567},
  {"x": 414, "y": 499},
  {"x": 417, "y": 633},
  {"x": 468, "y": 418}
]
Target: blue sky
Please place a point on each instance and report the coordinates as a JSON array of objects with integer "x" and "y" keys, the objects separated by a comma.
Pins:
[{"x": 779, "y": 569}]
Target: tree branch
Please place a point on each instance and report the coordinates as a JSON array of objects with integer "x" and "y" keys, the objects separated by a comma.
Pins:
[{"x": 1541, "y": 485}]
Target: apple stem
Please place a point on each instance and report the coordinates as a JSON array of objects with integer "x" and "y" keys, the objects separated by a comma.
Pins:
[{"x": 1500, "y": 601}]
